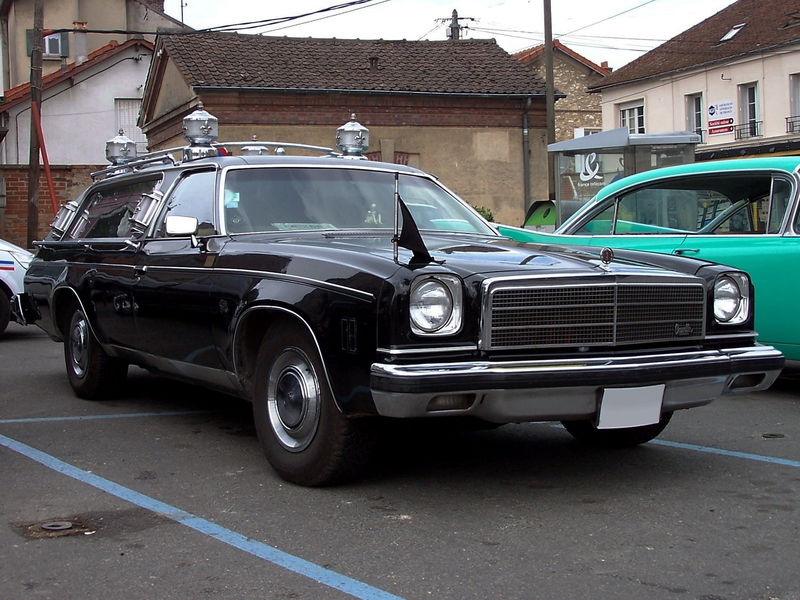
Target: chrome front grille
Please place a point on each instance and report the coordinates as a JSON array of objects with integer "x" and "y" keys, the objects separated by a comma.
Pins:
[{"x": 525, "y": 315}]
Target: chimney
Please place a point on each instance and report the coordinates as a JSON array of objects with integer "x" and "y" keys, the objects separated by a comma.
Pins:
[
  {"x": 79, "y": 41},
  {"x": 604, "y": 64}
]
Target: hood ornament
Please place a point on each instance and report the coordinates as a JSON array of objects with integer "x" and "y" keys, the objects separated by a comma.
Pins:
[{"x": 606, "y": 256}]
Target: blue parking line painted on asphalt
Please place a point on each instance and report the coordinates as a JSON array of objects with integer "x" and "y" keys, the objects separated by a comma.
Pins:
[
  {"x": 708, "y": 449},
  {"x": 111, "y": 416},
  {"x": 324, "y": 576}
]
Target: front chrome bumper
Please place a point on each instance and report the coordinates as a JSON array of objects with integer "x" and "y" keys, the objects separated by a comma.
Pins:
[{"x": 558, "y": 390}]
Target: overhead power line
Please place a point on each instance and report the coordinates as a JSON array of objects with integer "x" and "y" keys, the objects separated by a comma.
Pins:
[
  {"x": 226, "y": 28},
  {"x": 611, "y": 17}
]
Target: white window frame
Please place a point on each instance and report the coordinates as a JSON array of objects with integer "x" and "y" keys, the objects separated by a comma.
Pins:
[
  {"x": 50, "y": 42},
  {"x": 694, "y": 112},
  {"x": 794, "y": 94},
  {"x": 632, "y": 116},
  {"x": 748, "y": 106}
]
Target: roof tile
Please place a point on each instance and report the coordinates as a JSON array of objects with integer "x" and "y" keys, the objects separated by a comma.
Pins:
[{"x": 254, "y": 61}]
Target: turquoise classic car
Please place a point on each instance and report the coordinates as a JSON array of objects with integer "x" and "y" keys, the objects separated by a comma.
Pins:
[{"x": 742, "y": 213}]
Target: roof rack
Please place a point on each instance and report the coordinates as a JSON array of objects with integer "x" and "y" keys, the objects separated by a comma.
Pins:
[{"x": 201, "y": 131}]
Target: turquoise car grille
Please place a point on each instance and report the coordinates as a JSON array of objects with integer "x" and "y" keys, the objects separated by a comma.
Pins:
[{"x": 594, "y": 315}]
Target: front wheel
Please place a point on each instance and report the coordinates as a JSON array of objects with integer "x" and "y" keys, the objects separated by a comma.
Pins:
[
  {"x": 305, "y": 437},
  {"x": 5, "y": 311},
  {"x": 586, "y": 432},
  {"x": 92, "y": 373}
]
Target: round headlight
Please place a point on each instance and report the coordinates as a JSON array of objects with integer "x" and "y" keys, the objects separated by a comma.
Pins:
[
  {"x": 727, "y": 299},
  {"x": 431, "y": 305}
]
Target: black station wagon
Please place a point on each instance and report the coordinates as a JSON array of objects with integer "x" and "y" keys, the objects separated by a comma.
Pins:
[{"x": 332, "y": 291}]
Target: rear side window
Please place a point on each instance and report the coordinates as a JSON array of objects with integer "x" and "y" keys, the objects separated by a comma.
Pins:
[{"x": 107, "y": 212}]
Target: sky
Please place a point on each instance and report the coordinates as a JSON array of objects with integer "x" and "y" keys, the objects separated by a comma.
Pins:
[{"x": 613, "y": 31}]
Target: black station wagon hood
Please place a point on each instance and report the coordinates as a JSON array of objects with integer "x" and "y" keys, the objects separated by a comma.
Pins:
[{"x": 462, "y": 254}]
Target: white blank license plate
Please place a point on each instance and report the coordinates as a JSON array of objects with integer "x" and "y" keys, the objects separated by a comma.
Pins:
[{"x": 630, "y": 407}]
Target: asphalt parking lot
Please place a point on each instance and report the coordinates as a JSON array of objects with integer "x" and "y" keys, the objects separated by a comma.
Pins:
[{"x": 168, "y": 496}]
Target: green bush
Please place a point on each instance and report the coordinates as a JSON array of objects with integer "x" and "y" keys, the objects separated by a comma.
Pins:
[{"x": 486, "y": 213}]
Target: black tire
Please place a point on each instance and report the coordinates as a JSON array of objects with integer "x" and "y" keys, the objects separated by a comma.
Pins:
[
  {"x": 305, "y": 437},
  {"x": 5, "y": 311},
  {"x": 92, "y": 373},
  {"x": 587, "y": 433}
]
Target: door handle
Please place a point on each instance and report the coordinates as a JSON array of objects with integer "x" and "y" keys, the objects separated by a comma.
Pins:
[{"x": 686, "y": 251}]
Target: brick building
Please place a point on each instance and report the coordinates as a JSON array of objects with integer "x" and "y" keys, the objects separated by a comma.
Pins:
[{"x": 459, "y": 109}]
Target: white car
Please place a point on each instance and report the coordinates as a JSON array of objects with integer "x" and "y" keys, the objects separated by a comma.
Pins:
[{"x": 14, "y": 262}]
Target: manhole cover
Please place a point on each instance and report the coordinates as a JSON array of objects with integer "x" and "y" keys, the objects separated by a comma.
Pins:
[
  {"x": 57, "y": 525},
  {"x": 53, "y": 528}
]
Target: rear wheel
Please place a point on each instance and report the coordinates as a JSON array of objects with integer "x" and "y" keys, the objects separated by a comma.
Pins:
[
  {"x": 586, "y": 432},
  {"x": 92, "y": 373},
  {"x": 305, "y": 437}
]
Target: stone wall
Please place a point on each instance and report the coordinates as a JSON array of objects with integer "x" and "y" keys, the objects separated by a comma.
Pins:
[{"x": 580, "y": 108}]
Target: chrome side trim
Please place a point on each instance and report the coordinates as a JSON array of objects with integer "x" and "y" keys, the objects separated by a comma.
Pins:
[
  {"x": 80, "y": 302},
  {"x": 266, "y": 275},
  {"x": 300, "y": 318}
]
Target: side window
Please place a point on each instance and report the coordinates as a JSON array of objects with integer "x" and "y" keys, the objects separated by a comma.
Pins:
[
  {"x": 107, "y": 212},
  {"x": 781, "y": 193},
  {"x": 601, "y": 223},
  {"x": 676, "y": 208},
  {"x": 193, "y": 196}
]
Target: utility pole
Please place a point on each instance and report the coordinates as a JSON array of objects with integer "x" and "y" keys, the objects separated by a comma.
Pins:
[
  {"x": 36, "y": 103},
  {"x": 550, "y": 93},
  {"x": 455, "y": 28}
]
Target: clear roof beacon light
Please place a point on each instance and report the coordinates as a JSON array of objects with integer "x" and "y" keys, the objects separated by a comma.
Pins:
[
  {"x": 201, "y": 130},
  {"x": 120, "y": 149},
  {"x": 254, "y": 149},
  {"x": 352, "y": 138}
]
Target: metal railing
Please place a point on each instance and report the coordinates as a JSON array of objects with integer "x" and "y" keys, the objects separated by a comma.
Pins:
[
  {"x": 702, "y": 134},
  {"x": 747, "y": 130},
  {"x": 793, "y": 124}
]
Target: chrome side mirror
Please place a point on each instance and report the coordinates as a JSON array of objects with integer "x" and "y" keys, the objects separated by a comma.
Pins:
[{"x": 179, "y": 226}]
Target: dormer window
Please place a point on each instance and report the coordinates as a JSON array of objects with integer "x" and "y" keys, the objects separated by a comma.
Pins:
[{"x": 733, "y": 31}]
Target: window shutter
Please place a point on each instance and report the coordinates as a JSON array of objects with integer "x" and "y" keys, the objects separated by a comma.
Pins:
[
  {"x": 29, "y": 41},
  {"x": 64, "y": 44}
]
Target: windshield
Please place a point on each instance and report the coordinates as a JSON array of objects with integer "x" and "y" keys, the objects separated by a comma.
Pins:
[{"x": 296, "y": 198}]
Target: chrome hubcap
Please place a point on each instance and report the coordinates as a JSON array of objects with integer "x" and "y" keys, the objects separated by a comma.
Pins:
[
  {"x": 293, "y": 399},
  {"x": 79, "y": 346}
]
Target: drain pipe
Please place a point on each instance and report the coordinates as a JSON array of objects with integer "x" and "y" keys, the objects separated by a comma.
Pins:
[{"x": 526, "y": 167}]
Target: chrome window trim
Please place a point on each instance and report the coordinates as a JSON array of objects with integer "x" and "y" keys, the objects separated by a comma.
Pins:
[{"x": 356, "y": 165}]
